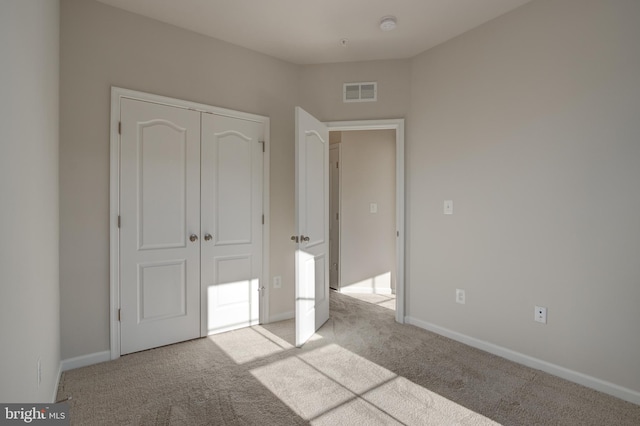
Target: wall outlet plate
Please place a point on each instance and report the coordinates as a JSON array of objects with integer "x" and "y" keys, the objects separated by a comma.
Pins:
[
  {"x": 540, "y": 314},
  {"x": 460, "y": 296},
  {"x": 277, "y": 282}
]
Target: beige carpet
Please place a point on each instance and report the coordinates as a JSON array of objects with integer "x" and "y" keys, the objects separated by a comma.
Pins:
[
  {"x": 385, "y": 300},
  {"x": 361, "y": 368}
]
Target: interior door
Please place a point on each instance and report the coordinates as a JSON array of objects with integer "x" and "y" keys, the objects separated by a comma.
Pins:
[
  {"x": 159, "y": 225},
  {"x": 231, "y": 221},
  {"x": 312, "y": 226}
]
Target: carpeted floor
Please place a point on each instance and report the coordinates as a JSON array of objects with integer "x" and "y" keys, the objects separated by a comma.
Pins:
[
  {"x": 385, "y": 300},
  {"x": 361, "y": 368}
]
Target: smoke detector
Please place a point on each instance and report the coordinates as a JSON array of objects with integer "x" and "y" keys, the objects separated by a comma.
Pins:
[{"x": 388, "y": 23}]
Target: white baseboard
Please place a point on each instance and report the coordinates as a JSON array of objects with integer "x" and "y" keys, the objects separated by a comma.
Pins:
[
  {"x": 281, "y": 317},
  {"x": 565, "y": 373},
  {"x": 85, "y": 360},
  {"x": 365, "y": 290}
]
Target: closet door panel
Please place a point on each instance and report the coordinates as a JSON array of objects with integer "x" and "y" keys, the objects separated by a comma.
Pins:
[
  {"x": 159, "y": 210},
  {"x": 231, "y": 221},
  {"x": 233, "y": 195}
]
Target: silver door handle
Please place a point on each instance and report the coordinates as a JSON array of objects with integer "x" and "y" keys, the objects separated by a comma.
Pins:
[
  {"x": 208, "y": 237},
  {"x": 193, "y": 238}
]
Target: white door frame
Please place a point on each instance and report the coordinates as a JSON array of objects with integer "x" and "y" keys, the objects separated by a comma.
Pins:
[
  {"x": 398, "y": 126},
  {"x": 338, "y": 147},
  {"x": 117, "y": 94}
]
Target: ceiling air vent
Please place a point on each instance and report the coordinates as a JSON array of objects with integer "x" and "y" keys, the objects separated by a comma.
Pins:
[{"x": 360, "y": 92}]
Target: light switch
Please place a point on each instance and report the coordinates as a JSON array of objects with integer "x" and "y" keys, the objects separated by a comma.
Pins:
[
  {"x": 448, "y": 206},
  {"x": 373, "y": 208}
]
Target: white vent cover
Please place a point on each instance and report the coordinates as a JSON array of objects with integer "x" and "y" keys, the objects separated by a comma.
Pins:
[{"x": 360, "y": 92}]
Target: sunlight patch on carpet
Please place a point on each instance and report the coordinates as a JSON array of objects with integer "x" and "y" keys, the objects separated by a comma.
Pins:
[
  {"x": 332, "y": 385},
  {"x": 249, "y": 344},
  {"x": 350, "y": 370}
]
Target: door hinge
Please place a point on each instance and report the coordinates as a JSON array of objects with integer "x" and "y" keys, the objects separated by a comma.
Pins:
[
  {"x": 263, "y": 219},
  {"x": 119, "y": 127},
  {"x": 118, "y": 314},
  {"x": 118, "y": 221},
  {"x": 397, "y": 233},
  {"x": 337, "y": 216},
  {"x": 263, "y": 144},
  {"x": 337, "y": 164}
]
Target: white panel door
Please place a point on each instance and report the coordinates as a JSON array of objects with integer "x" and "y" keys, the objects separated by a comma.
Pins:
[
  {"x": 231, "y": 221},
  {"x": 160, "y": 225},
  {"x": 312, "y": 225}
]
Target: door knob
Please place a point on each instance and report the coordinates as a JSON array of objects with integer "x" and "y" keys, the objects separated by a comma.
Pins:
[
  {"x": 193, "y": 238},
  {"x": 294, "y": 238},
  {"x": 208, "y": 237},
  {"x": 303, "y": 238}
]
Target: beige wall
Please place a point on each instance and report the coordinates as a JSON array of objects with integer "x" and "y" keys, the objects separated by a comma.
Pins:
[
  {"x": 321, "y": 89},
  {"x": 29, "y": 291},
  {"x": 367, "y": 241},
  {"x": 530, "y": 125},
  {"x": 103, "y": 46}
]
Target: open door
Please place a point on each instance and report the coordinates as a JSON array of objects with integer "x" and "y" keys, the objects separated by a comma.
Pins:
[{"x": 312, "y": 225}]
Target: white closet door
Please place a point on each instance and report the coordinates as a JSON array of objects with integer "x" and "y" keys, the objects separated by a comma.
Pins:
[
  {"x": 231, "y": 221},
  {"x": 160, "y": 225}
]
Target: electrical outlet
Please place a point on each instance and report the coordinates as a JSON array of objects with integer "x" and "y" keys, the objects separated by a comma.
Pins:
[
  {"x": 277, "y": 282},
  {"x": 540, "y": 314},
  {"x": 460, "y": 298}
]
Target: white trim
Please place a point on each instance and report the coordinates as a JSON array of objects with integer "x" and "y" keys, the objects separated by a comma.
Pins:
[
  {"x": 556, "y": 370},
  {"x": 340, "y": 217},
  {"x": 364, "y": 290},
  {"x": 179, "y": 103},
  {"x": 114, "y": 234},
  {"x": 54, "y": 397},
  {"x": 398, "y": 126},
  {"x": 266, "y": 160},
  {"x": 338, "y": 147},
  {"x": 85, "y": 360},
  {"x": 282, "y": 317},
  {"x": 117, "y": 94}
]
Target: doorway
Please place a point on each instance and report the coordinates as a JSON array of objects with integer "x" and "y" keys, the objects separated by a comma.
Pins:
[
  {"x": 369, "y": 209},
  {"x": 362, "y": 218},
  {"x": 312, "y": 217}
]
